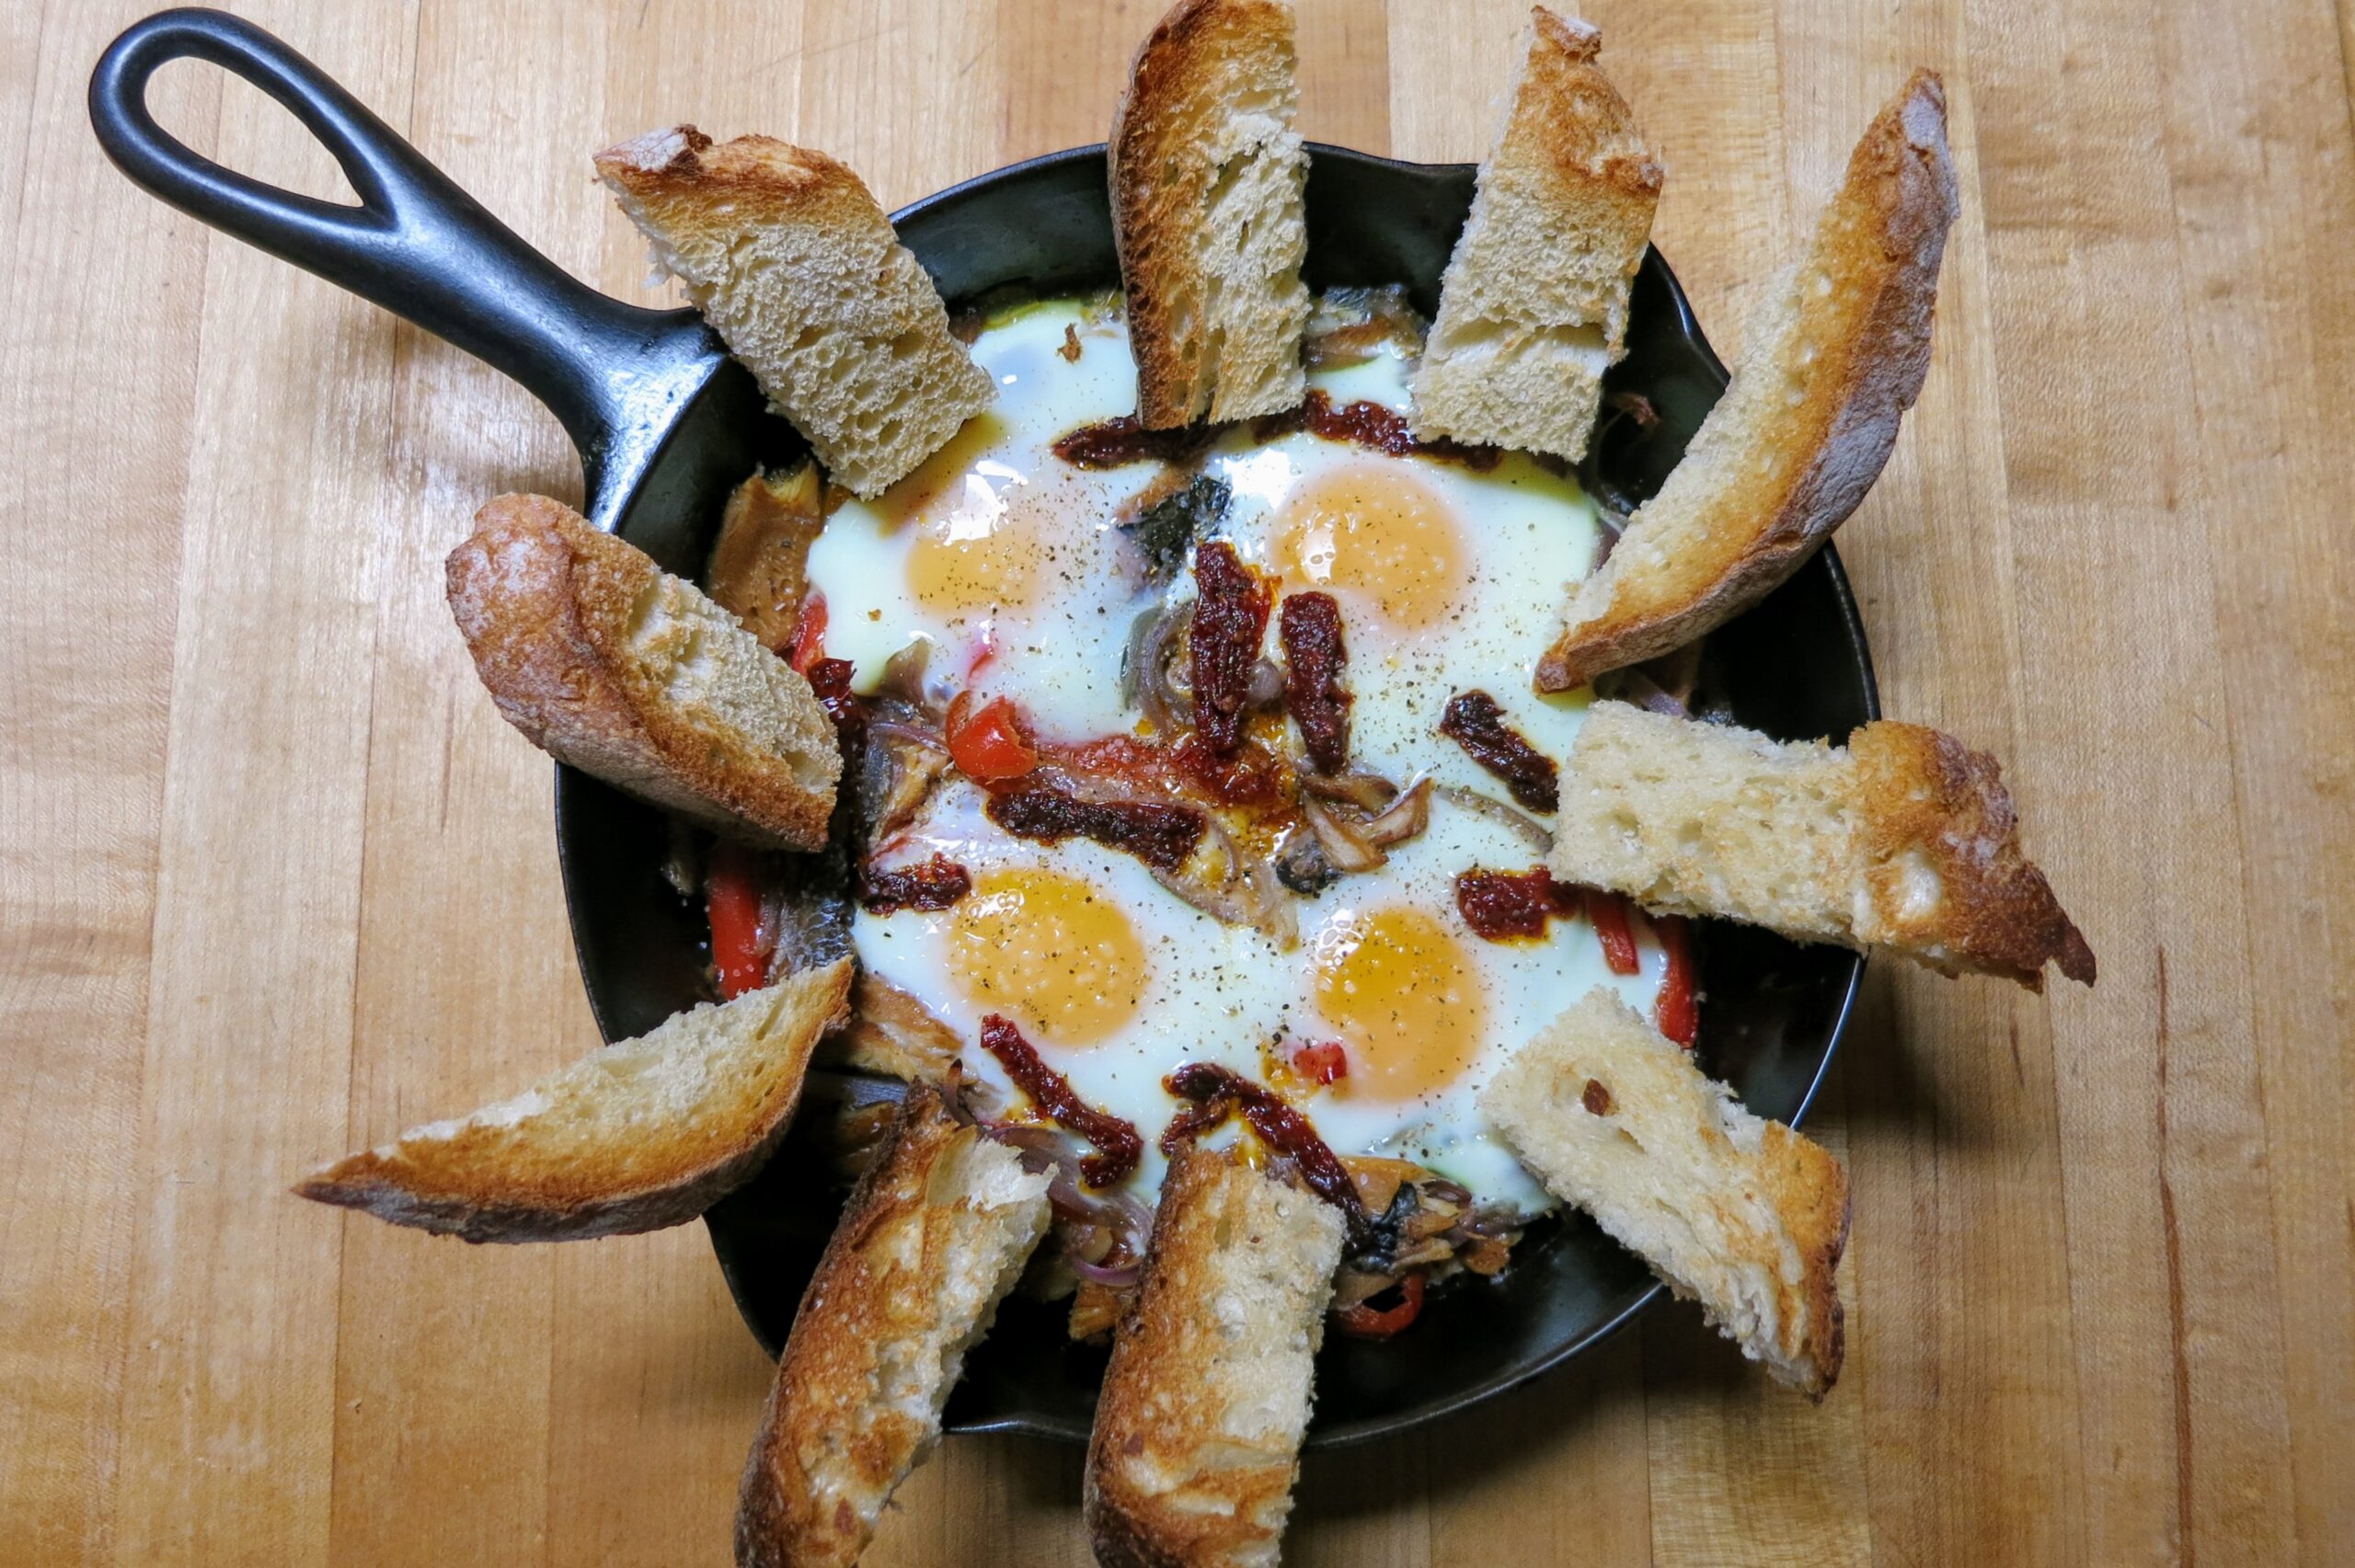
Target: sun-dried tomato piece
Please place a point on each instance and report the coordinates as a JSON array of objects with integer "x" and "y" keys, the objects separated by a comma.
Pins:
[
  {"x": 1503, "y": 905},
  {"x": 1161, "y": 836},
  {"x": 1310, "y": 625},
  {"x": 1118, "y": 1146},
  {"x": 1230, "y": 619},
  {"x": 1218, "y": 1092},
  {"x": 1122, "y": 440},
  {"x": 935, "y": 884},
  {"x": 830, "y": 679},
  {"x": 1372, "y": 425},
  {"x": 1474, "y": 721}
]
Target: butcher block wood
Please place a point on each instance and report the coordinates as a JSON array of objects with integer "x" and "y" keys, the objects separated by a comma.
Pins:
[{"x": 276, "y": 881}]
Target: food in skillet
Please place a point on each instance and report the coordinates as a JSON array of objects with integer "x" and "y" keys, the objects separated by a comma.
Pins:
[{"x": 1220, "y": 846}]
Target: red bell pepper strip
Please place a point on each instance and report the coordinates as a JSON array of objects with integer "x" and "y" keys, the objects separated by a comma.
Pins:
[
  {"x": 1326, "y": 1062},
  {"x": 1678, "y": 1011},
  {"x": 809, "y": 635},
  {"x": 986, "y": 742},
  {"x": 1361, "y": 1321},
  {"x": 1609, "y": 913},
  {"x": 740, "y": 946}
]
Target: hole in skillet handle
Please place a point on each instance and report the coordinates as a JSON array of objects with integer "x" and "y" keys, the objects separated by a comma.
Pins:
[{"x": 1795, "y": 666}]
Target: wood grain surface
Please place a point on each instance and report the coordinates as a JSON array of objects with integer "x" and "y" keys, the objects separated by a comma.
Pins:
[{"x": 276, "y": 881}]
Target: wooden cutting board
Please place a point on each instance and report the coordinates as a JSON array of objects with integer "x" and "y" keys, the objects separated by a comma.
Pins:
[{"x": 275, "y": 880}]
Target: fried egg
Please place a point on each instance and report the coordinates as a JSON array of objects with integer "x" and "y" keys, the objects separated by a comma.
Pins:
[
  {"x": 1116, "y": 982},
  {"x": 1009, "y": 566}
]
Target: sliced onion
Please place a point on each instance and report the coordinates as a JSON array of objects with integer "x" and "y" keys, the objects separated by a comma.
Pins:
[
  {"x": 1532, "y": 830},
  {"x": 1640, "y": 689},
  {"x": 1403, "y": 818},
  {"x": 1367, "y": 792},
  {"x": 1120, "y": 1276},
  {"x": 1246, "y": 894},
  {"x": 1345, "y": 843},
  {"x": 901, "y": 734},
  {"x": 1266, "y": 687},
  {"x": 903, "y": 675},
  {"x": 1165, "y": 704}
]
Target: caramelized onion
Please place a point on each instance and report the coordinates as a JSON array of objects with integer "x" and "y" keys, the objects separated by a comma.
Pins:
[
  {"x": 1640, "y": 689},
  {"x": 1368, "y": 792},
  {"x": 1166, "y": 700},
  {"x": 1403, "y": 818},
  {"x": 1347, "y": 848},
  {"x": 1530, "y": 830}
]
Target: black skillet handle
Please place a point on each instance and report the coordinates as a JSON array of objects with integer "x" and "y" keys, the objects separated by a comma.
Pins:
[{"x": 416, "y": 244}]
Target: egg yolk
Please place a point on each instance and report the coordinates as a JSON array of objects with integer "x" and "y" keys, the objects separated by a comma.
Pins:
[
  {"x": 977, "y": 548},
  {"x": 1380, "y": 531},
  {"x": 1047, "y": 948},
  {"x": 1403, "y": 995}
]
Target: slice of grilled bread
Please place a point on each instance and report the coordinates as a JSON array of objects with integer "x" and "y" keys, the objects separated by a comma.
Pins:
[
  {"x": 1207, "y": 176},
  {"x": 1904, "y": 840},
  {"x": 606, "y": 662},
  {"x": 1535, "y": 304},
  {"x": 1199, "y": 1425},
  {"x": 642, "y": 1134},
  {"x": 796, "y": 267},
  {"x": 759, "y": 565},
  {"x": 1741, "y": 1214},
  {"x": 934, "y": 1236},
  {"x": 1835, "y": 354}
]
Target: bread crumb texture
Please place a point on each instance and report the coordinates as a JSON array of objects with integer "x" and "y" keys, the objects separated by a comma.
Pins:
[
  {"x": 1904, "y": 841},
  {"x": 795, "y": 265},
  {"x": 1199, "y": 1426},
  {"x": 1207, "y": 176},
  {"x": 638, "y": 1134},
  {"x": 1736, "y": 1212},
  {"x": 932, "y": 1237}
]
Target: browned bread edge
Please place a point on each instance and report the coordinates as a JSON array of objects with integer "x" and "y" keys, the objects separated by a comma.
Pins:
[
  {"x": 1879, "y": 243},
  {"x": 543, "y": 601},
  {"x": 1169, "y": 67},
  {"x": 1159, "y": 1390},
  {"x": 421, "y": 1185}
]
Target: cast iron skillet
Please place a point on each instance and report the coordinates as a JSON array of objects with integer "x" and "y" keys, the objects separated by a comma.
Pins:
[{"x": 667, "y": 424}]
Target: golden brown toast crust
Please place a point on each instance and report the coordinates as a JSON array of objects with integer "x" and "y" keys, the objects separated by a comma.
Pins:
[
  {"x": 490, "y": 1184},
  {"x": 1588, "y": 136},
  {"x": 830, "y": 1423},
  {"x": 1154, "y": 184},
  {"x": 1927, "y": 800},
  {"x": 796, "y": 265},
  {"x": 1170, "y": 1380},
  {"x": 1810, "y": 1188},
  {"x": 1859, "y": 349},
  {"x": 547, "y": 603},
  {"x": 1535, "y": 301},
  {"x": 765, "y": 179}
]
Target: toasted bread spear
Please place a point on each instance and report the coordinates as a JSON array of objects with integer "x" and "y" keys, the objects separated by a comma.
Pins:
[
  {"x": 637, "y": 1136},
  {"x": 1199, "y": 1426},
  {"x": 606, "y": 662},
  {"x": 1903, "y": 841},
  {"x": 932, "y": 1237},
  {"x": 1741, "y": 1214},
  {"x": 1535, "y": 304},
  {"x": 796, "y": 267},
  {"x": 1835, "y": 354},
  {"x": 1207, "y": 179}
]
